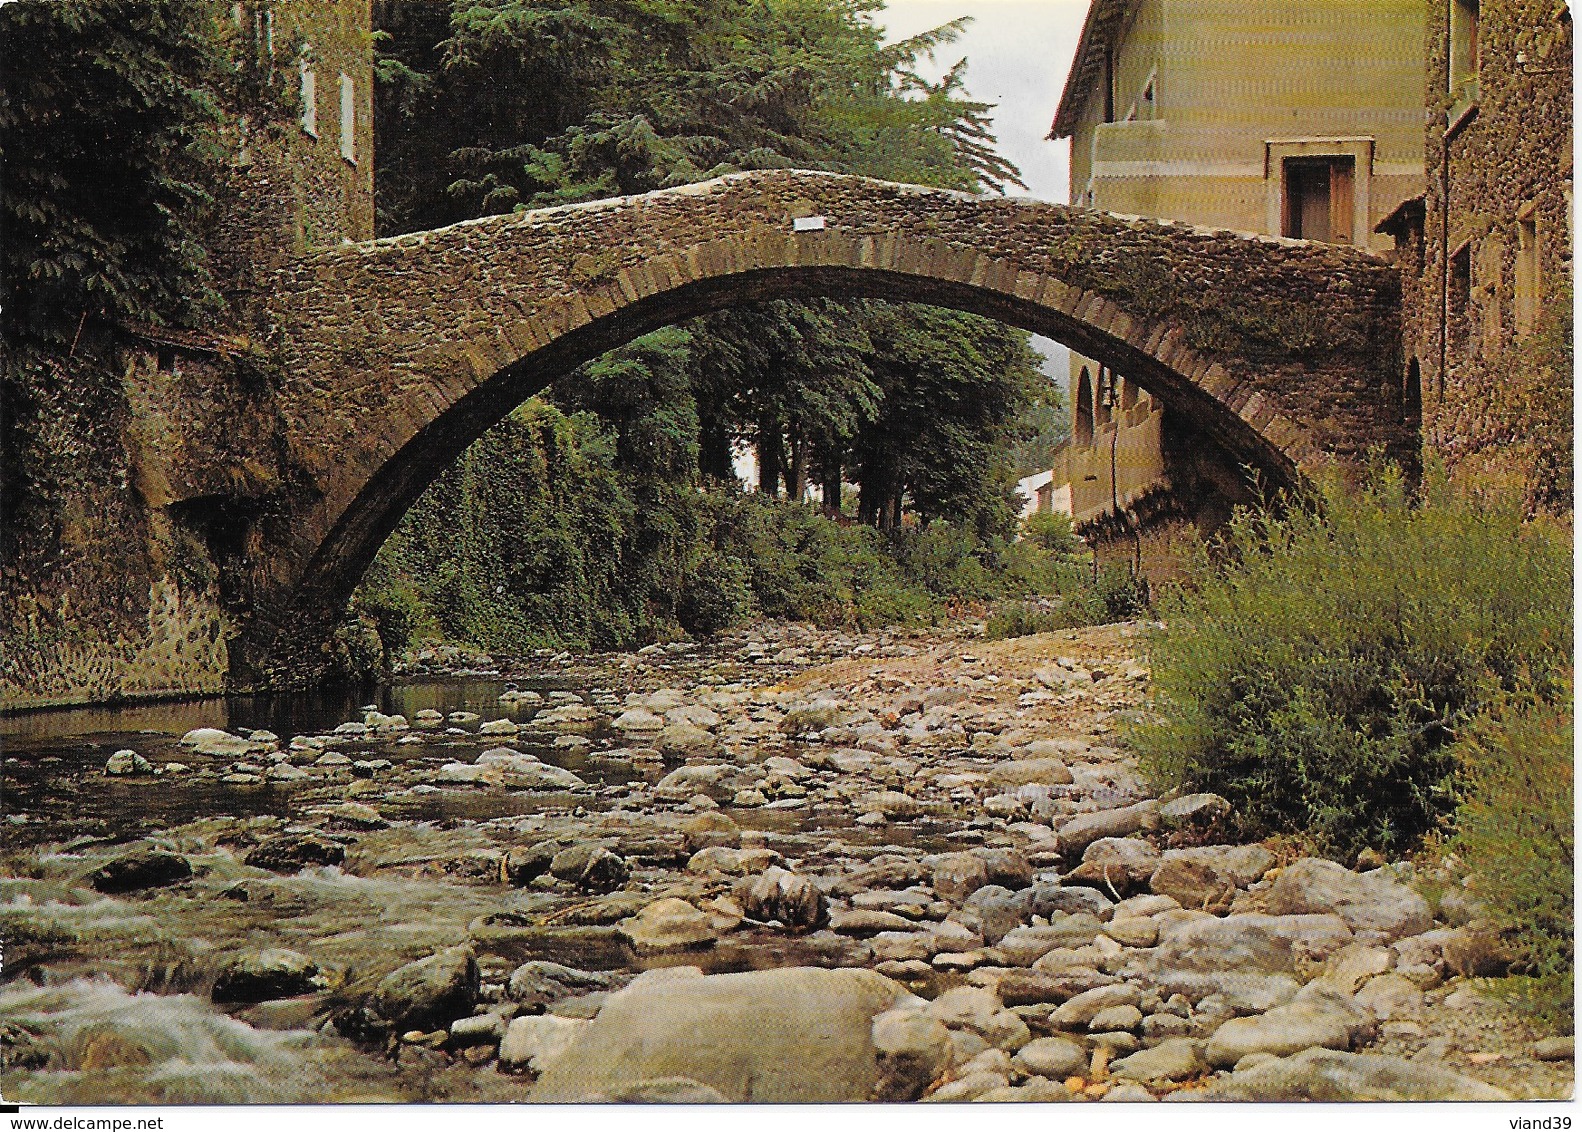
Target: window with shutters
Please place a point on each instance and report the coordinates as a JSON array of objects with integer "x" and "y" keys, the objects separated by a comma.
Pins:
[{"x": 1316, "y": 201}]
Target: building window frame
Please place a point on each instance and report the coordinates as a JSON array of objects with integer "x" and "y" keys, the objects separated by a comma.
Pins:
[
  {"x": 1278, "y": 151},
  {"x": 1462, "y": 52},
  {"x": 1460, "y": 297},
  {"x": 1529, "y": 269},
  {"x": 309, "y": 87},
  {"x": 1082, "y": 424},
  {"x": 348, "y": 118}
]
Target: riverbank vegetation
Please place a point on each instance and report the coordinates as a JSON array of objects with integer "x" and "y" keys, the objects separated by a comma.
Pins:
[{"x": 1394, "y": 676}]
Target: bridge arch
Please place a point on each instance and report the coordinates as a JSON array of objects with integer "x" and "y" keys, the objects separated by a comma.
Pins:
[{"x": 395, "y": 354}]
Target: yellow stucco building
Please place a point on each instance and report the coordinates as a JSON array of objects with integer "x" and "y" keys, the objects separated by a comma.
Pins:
[{"x": 1300, "y": 118}]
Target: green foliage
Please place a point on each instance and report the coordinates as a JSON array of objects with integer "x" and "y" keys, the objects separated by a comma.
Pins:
[
  {"x": 1053, "y": 531},
  {"x": 1044, "y": 424},
  {"x": 491, "y": 105},
  {"x": 953, "y": 388},
  {"x": 1078, "y": 599},
  {"x": 1318, "y": 676},
  {"x": 517, "y": 545},
  {"x": 1533, "y": 401},
  {"x": 1516, "y": 830},
  {"x": 109, "y": 123}
]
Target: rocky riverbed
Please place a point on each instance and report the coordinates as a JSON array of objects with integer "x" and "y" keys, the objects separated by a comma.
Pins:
[{"x": 789, "y": 865}]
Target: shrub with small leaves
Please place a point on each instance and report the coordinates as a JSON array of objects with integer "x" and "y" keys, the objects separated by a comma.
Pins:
[{"x": 1319, "y": 676}]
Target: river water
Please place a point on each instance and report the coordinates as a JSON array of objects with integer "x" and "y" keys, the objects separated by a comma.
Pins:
[{"x": 106, "y": 997}]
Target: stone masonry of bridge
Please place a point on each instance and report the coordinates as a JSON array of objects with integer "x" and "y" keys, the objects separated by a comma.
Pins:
[
  {"x": 395, "y": 354},
  {"x": 382, "y": 360}
]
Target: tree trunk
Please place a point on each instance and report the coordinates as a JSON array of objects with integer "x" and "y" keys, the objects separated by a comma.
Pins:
[
  {"x": 714, "y": 449},
  {"x": 771, "y": 457},
  {"x": 796, "y": 473},
  {"x": 829, "y": 479}
]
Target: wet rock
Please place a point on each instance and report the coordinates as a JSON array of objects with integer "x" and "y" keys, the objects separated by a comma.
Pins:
[
  {"x": 499, "y": 727},
  {"x": 913, "y": 1050},
  {"x": 1176, "y": 1059},
  {"x": 127, "y": 762},
  {"x": 779, "y": 895},
  {"x": 669, "y": 924},
  {"x": 1371, "y": 902},
  {"x": 1123, "y": 821},
  {"x": 1193, "y": 884},
  {"x": 1331, "y": 1075},
  {"x": 1055, "y": 1058},
  {"x": 257, "y": 976},
  {"x": 357, "y": 815},
  {"x": 540, "y": 982},
  {"x": 537, "y": 1041},
  {"x": 429, "y": 993},
  {"x": 293, "y": 850},
  {"x": 213, "y": 741},
  {"x": 592, "y": 868},
  {"x": 140, "y": 869},
  {"x": 783, "y": 1036},
  {"x": 521, "y": 866}
]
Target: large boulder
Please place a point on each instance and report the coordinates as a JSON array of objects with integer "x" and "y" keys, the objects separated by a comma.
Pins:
[
  {"x": 784, "y": 897},
  {"x": 429, "y": 993},
  {"x": 793, "y": 1035},
  {"x": 1333, "y": 1075},
  {"x": 1120, "y": 821},
  {"x": 274, "y": 972},
  {"x": 1368, "y": 902},
  {"x": 293, "y": 850},
  {"x": 670, "y": 924},
  {"x": 1284, "y": 1030},
  {"x": 1250, "y": 941},
  {"x": 141, "y": 868}
]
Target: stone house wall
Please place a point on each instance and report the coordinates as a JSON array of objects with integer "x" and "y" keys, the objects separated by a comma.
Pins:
[{"x": 1499, "y": 177}]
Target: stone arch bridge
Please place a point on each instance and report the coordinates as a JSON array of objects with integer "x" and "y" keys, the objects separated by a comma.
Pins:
[{"x": 391, "y": 356}]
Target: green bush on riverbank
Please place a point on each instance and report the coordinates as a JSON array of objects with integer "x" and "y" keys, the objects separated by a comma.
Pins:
[
  {"x": 1320, "y": 676},
  {"x": 1516, "y": 832}
]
